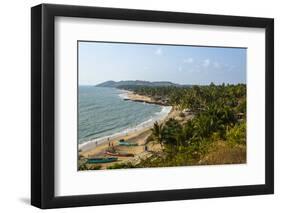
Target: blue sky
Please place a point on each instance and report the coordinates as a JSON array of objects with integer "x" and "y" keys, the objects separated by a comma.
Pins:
[{"x": 100, "y": 61}]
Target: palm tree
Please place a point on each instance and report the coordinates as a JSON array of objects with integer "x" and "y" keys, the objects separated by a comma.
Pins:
[
  {"x": 181, "y": 136},
  {"x": 158, "y": 133}
]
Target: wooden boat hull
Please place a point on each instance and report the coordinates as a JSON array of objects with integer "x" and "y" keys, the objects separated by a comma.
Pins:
[{"x": 101, "y": 160}]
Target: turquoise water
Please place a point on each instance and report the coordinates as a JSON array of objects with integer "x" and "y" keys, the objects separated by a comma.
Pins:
[{"x": 103, "y": 113}]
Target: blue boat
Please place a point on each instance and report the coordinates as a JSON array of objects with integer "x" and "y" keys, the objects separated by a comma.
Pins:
[
  {"x": 122, "y": 142},
  {"x": 102, "y": 160}
]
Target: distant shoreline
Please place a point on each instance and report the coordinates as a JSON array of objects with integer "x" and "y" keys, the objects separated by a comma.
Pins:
[{"x": 132, "y": 96}]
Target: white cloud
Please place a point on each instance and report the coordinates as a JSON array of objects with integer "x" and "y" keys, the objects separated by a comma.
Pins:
[
  {"x": 188, "y": 60},
  {"x": 206, "y": 62},
  {"x": 159, "y": 51}
]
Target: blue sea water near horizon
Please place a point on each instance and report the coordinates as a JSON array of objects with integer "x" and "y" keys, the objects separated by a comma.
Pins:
[{"x": 103, "y": 112}]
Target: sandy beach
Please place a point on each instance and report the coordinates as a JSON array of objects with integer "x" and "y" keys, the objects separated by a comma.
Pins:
[
  {"x": 136, "y": 97},
  {"x": 137, "y": 135}
]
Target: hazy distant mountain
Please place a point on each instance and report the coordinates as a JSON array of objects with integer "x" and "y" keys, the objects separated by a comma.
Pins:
[{"x": 136, "y": 83}]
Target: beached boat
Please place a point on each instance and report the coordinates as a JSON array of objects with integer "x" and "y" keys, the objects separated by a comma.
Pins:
[
  {"x": 125, "y": 143},
  {"x": 119, "y": 154},
  {"x": 102, "y": 160}
]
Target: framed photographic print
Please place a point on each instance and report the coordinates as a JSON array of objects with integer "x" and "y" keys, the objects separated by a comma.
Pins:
[{"x": 139, "y": 106}]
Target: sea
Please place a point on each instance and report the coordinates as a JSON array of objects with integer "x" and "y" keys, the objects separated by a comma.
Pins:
[{"x": 103, "y": 113}]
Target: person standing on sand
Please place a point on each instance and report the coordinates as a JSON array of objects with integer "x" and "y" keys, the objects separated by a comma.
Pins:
[
  {"x": 108, "y": 142},
  {"x": 145, "y": 148}
]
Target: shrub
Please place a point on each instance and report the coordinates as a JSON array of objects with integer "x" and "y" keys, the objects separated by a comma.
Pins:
[{"x": 237, "y": 134}]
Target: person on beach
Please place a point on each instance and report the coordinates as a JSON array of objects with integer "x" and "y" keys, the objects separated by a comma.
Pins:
[
  {"x": 145, "y": 148},
  {"x": 96, "y": 143}
]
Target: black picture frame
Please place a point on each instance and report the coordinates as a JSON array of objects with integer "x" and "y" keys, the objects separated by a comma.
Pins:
[{"x": 43, "y": 102}]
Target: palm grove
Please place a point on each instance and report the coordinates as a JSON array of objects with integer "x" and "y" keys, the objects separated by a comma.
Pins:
[{"x": 215, "y": 135}]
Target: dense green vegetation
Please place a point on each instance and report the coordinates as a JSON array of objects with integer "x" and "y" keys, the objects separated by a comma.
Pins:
[
  {"x": 215, "y": 135},
  {"x": 196, "y": 97}
]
